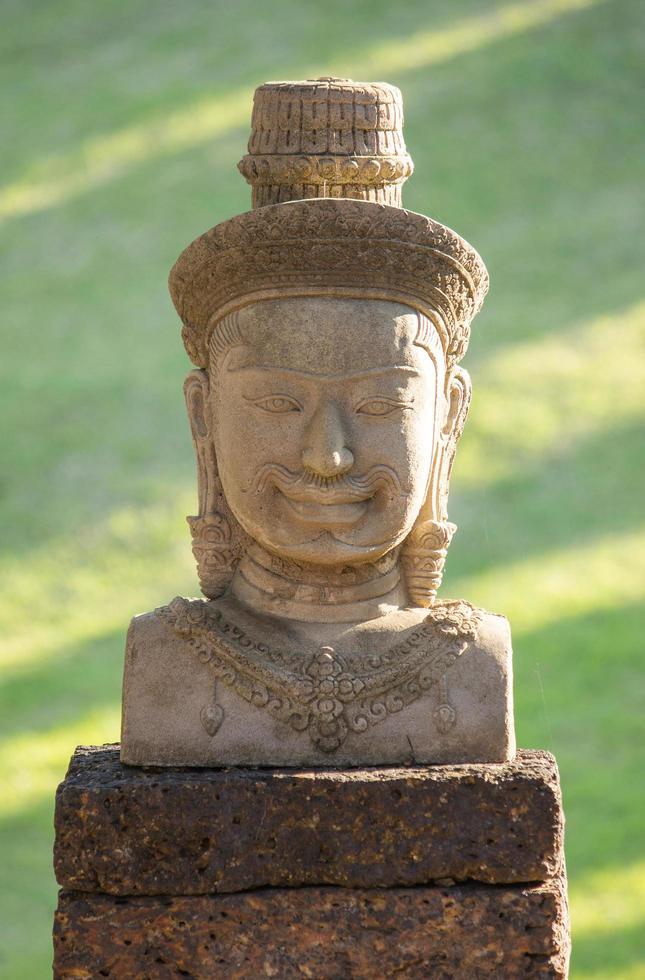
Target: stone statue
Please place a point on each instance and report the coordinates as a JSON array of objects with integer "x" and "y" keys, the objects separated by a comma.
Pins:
[{"x": 326, "y": 326}]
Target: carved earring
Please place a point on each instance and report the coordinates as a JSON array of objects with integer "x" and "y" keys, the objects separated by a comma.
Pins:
[
  {"x": 216, "y": 560},
  {"x": 213, "y": 540},
  {"x": 423, "y": 558}
]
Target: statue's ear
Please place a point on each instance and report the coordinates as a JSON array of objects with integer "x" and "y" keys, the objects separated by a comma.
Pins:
[
  {"x": 458, "y": 392},
  {"x": 215, "y": 544},
  {"x": 424, "y": 552},
  {"x": 196, "y": 392}
]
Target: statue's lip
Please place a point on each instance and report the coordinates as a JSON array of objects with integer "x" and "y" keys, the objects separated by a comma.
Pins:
[
  {"x": 323, "y": 511},
  {"x": 329, "y": 497}
]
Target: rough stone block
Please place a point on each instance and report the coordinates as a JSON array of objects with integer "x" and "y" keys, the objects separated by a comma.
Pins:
[
  {"x": 128, "y": 831},
  {"x": 454, "y": 933}
]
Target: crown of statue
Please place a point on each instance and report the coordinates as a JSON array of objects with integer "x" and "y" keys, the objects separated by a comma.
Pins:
[{"x": 326, "y": 163}]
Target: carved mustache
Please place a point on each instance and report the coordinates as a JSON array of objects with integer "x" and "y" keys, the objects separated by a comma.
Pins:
[{"x": 340, "y": 489}]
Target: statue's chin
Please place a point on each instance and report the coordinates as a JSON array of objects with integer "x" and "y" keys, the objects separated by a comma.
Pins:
[{"x": 326, "y": 549}]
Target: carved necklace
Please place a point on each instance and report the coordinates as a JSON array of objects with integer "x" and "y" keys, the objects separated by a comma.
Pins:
[
  {"x": 277, "y": 587},
  {"x": 327, "y": 695}
]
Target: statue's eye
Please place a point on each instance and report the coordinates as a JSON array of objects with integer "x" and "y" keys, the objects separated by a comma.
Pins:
[
  {"x": 278, "y": 404},
  {"x": 379, "y": 407}
]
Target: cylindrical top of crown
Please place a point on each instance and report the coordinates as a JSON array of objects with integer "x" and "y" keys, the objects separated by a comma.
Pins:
[{"x": 326, "y": 137}]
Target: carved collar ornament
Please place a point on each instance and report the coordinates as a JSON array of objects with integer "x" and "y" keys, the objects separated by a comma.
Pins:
[{"x": 327, "y": 695}]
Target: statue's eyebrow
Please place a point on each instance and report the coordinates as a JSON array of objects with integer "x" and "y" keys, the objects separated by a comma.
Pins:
[{"x": 353, "y": 376}]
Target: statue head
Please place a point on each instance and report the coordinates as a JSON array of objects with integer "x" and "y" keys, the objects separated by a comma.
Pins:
[
  {"x": 340, "y": 406},
  {"x": 329, "y": 401}
]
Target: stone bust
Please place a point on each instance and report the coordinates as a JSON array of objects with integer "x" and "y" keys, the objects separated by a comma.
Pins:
[{"x": 325, "y": 408}]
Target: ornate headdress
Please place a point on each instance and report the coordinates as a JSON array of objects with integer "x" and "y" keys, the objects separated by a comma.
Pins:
[
  {"x": 342, "y": 142},
  {"x": 326, "y": 163}
]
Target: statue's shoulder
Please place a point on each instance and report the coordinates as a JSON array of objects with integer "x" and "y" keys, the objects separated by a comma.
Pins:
[
  {"x": 158, "y": 624},
  {"x": 147, "y": 625},
  {"x": 494, "y": 641},
  {"x": 161, "y": 678},
  {"x": 476, "y": 626},
  {"x": 483, "y": 669}
]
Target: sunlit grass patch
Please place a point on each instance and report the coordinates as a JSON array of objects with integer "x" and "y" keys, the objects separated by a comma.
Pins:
[
  {"x": 544, "y": 395},
  {"x": 429, "y": 47},
  {"x": 34, "y": 763},
  {"x": 75, "y": 588},
  {"x": 604, "y": 901},
  {"x": 609, "y": 923},
  {"x": 559, "y": 583},
  {"x": 104, "y": 158}
]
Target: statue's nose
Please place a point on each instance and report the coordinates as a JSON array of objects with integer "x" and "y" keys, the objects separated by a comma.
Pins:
[{"x": 325, "y": 451}]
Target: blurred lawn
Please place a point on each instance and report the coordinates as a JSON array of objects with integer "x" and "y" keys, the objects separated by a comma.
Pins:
[{"x": 122, "y": 124}]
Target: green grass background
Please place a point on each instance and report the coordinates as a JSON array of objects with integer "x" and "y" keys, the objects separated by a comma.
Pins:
[{"x": 122, "y": 123}]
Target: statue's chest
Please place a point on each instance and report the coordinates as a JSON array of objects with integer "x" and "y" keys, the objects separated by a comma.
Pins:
[{"x": 323, "y": 694}]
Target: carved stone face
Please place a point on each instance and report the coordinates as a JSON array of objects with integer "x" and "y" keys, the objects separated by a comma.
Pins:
[{"x": 324, "y": 414}]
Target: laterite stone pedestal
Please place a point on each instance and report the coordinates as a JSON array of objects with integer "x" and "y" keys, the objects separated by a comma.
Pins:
[{"x": 435, "y": 871}]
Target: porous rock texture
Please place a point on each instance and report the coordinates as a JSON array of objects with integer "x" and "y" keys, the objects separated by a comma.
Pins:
[
  {"x": 459, "y": 933},
  {"x": 130, "y": 831}
]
